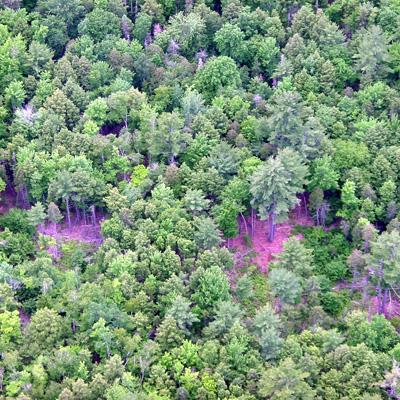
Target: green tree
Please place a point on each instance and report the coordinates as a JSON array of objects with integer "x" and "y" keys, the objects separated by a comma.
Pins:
[
  {"x": 182, "y": 314},
  {"x": 291, "y": 125},
  {"x": 349, "y": 200},
  {"x": 285, "y": 285},
  {"x": 384, "y": 262},
  {"x": 296, "y": 258},
  {"x": 169, "y": 334},
  {"x": 15, "y": 94},
  {"x": 217, "y": 74},
  {"x": 10, "y": 331},
  {"x": 230, "y": 42},
  {"x": 63, "y": 187},
  {"x": 206, "y": 235},
  {"x": 168, "y": 139},
  {"x": 267, "y": 327},
  {"x": 45, "y": 331},
  {"x": 373, "y": 56},
  {"x": 274, "y": 187},
  {"x": 213, "y": 287},
  {"x": 286, "y": 381},
  {"x": 195, "y": 201},
  {"x": 37, "y": 215},
  {"x": 53, "y": 214}
]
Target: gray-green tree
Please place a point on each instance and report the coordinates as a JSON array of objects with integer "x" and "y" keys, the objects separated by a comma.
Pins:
[
  {"x": 372, "y": 58},
  {"x": 275, "y": 185},
  {"x": 384, "y": 264}
]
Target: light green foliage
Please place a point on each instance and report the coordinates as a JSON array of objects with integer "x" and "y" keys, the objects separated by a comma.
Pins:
[
  {"x": 230, "y": 42},
  {"x": 216, "y": 75},
  {"x": 97, "y": 111},
  {"x": 162, "y": 131},
  {"x": 213, "y": 287},
  {"x": 286, "y": 381},
  {"x": 323, "y": 174},
  {"x": 15, "y": 94},
  {"x": 373, "y": 56},
  {"x": 275, "y": 184},
  {"x": 296, "y": 257},
  {"x": 285, "y": 285},
  {"x": 10, "y": 332},
  {"x": 37, "y": 214}
]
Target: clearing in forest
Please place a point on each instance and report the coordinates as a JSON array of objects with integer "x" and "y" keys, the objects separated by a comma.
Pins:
[{"x": 252, "y": 244}]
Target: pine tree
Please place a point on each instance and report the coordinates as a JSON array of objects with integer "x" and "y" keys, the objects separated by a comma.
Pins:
[
  {"x": 53, "y": 214},
  {"x": 168, "y": 334},
  {"x": 274, "y": 187},
  {"x": 373, "y": 56},
  {"x": 37, "y": 214},
  {"x": 384, "y": 263},
  {"x": 296, "y": 258}
]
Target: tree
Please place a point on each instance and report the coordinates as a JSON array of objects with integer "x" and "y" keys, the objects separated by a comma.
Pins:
[
  {"x": 168, "y": 139},
  {"x": 63, "y": 187},
  {"x": 226, "y": 215},
  {"x": 213, "y": 287},
  {"x": 230, "y": 42},
  {"x": 10, "y": 331},
  {"x": 384, "y": 262},
  {"x": 186, "y": 31},
  {"x": 45, "y": 330},
  {"x": 37, "y": 215},
  {"x": 267, "y": 327},
  {"x": 285, "y": 285},
  {"x": 291, "y": 125},
  {"x": 323, "y": 174},
  {"x": 53, "y": 214},
  {"x": 286, "y": 381},
  {"x": 192, "y": 104},
  {"x": 15, "y": 94},
  {"x": 217, "y": 74},
  {"x": 274, "y": 187},
  {"x": 102, "y": 338},
  {"x": 195, "y": 201},
  {"x": 99, "y": 23},
  {"x": 97, "y": 110},
  {"x": 227, "y": 314},
  {"x": 296, "y": 258},
  {"x": 349, "y": 200},
  {"x": 180, "y": 311},
  {"x": 169, "y": 334},
  {"x": 373, "y": 57},
  {"x": 207, "y": 235}
]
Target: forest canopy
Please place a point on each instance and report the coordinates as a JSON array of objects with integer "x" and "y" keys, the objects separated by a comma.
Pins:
[{"x": 199, "y": 199}]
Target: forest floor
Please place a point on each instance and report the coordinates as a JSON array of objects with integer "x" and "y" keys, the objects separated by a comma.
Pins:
[
  {"x": 8, "y": 200},
  {"x": 79, "y": 231},
  {"x": 254, "y": 248}
]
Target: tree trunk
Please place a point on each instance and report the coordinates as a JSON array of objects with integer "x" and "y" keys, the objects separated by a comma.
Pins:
[
  {"x": 384, "y": 302},
  {"x": 94, "y": 214},
  {"x": 68, "y": 211},
  {"x": 271, "y": 227},
  {"x": 77, "y": 213},
  {"x": 252, "y": 222},
  {"x": 380, "y": 298},
  {"x": 305, "y": 203},
  {"x": 245, "y": 223}
]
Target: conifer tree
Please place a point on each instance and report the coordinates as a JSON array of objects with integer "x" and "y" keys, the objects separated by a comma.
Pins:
[{"x": 275, "y": 185}]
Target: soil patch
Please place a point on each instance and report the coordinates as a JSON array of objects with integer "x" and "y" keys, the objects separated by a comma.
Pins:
[{"x": 252, "y": 245}]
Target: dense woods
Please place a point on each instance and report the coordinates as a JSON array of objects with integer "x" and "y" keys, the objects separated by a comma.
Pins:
[{"x": 199, "y": 199}]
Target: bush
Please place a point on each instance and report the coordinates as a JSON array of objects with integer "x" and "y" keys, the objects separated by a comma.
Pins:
[
  {"x": 334, "y": 303},
  {"x": 17, "y": 222}
]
